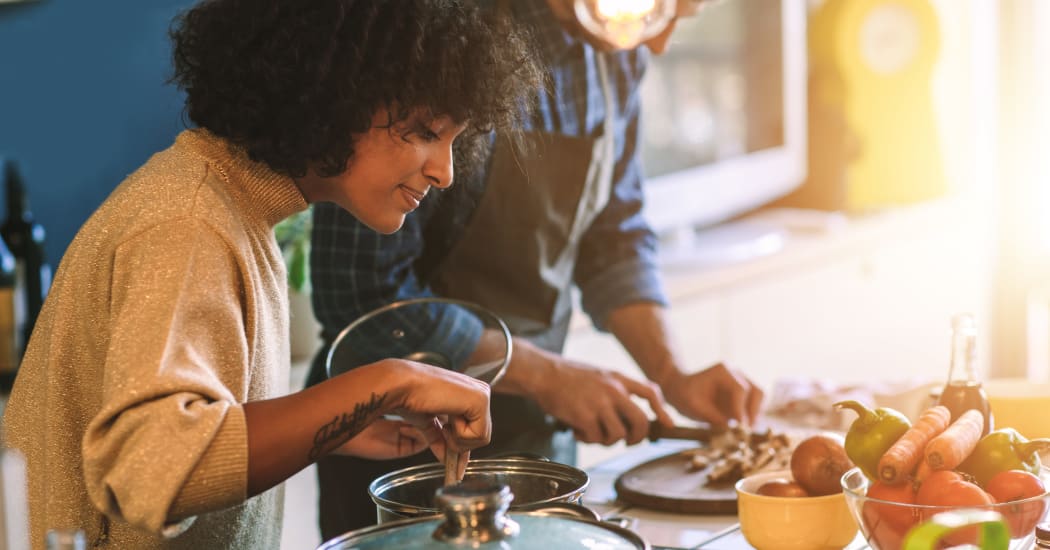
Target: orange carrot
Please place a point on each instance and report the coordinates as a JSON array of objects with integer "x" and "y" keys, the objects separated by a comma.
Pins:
[
  {"x": 948, "y": 450},
  {"x": 920, "y": 475},
  {"x": 903, "y": 456}
]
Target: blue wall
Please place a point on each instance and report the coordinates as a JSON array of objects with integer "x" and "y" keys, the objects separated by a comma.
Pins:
[{"x": 84, "y": 100}]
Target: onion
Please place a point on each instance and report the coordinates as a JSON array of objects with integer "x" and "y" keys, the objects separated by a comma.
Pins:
[
  {"x": 782, "y": 488},
  {"x": 818, "y": 464}
]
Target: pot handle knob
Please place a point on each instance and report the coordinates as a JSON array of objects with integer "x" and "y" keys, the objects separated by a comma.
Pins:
[{"x": 475, "y": 511}]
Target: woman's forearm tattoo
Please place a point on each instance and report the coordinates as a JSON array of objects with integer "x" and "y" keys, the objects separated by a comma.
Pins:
[{"x": 345, "y": 426}]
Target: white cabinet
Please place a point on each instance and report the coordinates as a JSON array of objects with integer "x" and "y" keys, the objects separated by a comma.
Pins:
[
  {"x": 876, "y": 314},
  {"x": 870, "y": 301}
]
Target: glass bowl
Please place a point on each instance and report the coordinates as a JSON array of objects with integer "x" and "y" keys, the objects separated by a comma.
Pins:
[
  {"x": 451, "y": 334},
  {"x": 885, "y": 523}
]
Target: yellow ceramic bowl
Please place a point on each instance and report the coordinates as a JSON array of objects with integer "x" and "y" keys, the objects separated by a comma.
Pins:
[
  {"x": 783, "y": 523},
  {"x": 1019, "y": 404}
]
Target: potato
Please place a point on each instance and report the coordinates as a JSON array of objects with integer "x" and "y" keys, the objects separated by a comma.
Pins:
[
  {"x": 818, "y": 463},
  {"x": 782, "y": 488}
]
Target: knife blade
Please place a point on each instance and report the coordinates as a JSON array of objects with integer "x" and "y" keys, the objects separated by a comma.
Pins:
[{"x": 701, "y": 434}]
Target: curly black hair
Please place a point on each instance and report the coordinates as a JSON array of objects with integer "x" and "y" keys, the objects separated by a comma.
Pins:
[{"x": 293, "y": 81}]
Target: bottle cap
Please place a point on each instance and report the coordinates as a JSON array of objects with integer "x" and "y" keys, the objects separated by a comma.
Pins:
[
  {"x": 964, "y": 322},
  {"x": 1042, "y": 535}
]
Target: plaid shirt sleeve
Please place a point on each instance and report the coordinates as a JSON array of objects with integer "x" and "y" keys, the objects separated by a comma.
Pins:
[{"x": 355, "y": 270}]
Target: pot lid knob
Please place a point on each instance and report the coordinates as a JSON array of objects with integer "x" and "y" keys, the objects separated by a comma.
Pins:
[{"x": 475, "y": 512}]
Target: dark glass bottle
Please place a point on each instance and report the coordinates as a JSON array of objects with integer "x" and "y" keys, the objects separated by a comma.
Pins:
[
  {"x": 25, "y": 238},
  {"x": 12, "y": 319},
  {"x": 964, "y": 390}
]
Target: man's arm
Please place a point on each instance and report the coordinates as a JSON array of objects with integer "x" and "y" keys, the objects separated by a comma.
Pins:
[{"x": 716, "y": 394}]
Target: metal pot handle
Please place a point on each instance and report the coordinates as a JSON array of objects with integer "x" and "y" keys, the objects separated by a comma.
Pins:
[
  {"x": 621, "y": 521},
  {"x": 521, "y": 454},
  {"x": 577, "y": 511},
  {"x": 564, "y": 509}
]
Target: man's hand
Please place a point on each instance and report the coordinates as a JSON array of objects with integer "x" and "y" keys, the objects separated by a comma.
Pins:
[
  {"x": 715, "y": 395},
  {"x": 597, "y": 403}
]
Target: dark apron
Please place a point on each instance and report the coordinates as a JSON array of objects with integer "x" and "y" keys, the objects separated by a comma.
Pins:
[
  {"x": 515, "y": 257},
  {"x": 518, "y": 254}
]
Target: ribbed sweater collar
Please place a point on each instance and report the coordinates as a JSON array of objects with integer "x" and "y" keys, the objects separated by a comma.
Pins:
[{"x": 272, "y": 195}]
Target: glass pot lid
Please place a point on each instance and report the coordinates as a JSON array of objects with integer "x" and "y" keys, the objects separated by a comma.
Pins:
[
  {"x": 475, "y": 516},
  {"x": 452, "y": 334}
]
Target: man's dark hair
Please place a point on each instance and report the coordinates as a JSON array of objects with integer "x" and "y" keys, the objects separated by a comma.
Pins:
[{"x": 292, "y": 81}]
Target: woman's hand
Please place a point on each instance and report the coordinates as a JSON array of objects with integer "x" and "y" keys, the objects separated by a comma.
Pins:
[
  {"x": 454, "y": 404},
  {"x": 350, "y": 414},
  {"x": 387, "y": 439}
]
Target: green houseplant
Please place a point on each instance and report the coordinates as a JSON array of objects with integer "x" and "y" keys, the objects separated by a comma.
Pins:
[{"x": 293, "y": 236}]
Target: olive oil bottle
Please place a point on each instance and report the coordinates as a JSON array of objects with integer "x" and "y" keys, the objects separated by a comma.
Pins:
[
  {"x": 964, "y": 390},
  {"x": 12, "y": 319},
  {"x": 25, "y": 239}
]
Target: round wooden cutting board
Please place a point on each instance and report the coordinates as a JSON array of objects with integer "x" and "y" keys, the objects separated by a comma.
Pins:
[{"x": 668, "y": 484}]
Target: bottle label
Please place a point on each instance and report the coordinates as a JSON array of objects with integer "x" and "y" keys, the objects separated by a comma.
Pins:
[{"x": 8, "y": 331}]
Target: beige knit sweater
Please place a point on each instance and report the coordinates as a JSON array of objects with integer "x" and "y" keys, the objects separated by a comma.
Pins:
[{"x": 167, "y": 314}]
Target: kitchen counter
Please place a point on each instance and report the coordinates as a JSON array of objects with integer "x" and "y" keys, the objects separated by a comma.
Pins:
[{"x": 663, "y": 529}]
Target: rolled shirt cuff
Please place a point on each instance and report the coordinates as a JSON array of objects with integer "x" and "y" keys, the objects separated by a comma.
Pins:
[
  {"x": 456, "y": 335},
  {"x": 627, "y": 282}
]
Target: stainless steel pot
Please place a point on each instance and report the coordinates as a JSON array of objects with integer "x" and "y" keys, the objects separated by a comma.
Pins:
[
  {"x": 410, "y": 492},
  {"x": 476, "y": 516}
]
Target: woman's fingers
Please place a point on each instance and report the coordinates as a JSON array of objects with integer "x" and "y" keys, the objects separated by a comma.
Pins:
[
  {"x": 425, "y": 429},
  {"x": 469, "y": 434},
  {"x": 462, "y": 399}
]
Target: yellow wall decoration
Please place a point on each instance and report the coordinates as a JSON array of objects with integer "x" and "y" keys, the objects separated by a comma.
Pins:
[{"x": 881, "y": 55}]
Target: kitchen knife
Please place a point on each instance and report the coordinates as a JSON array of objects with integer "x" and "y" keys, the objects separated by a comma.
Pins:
[{"x": 701, "y": 434}]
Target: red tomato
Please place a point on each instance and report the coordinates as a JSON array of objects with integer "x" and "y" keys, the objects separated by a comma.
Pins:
[
  {"x": 1014, "y": 485},
  {"x": 886, "y": 523},
  {"x": 948, "y": 488}
]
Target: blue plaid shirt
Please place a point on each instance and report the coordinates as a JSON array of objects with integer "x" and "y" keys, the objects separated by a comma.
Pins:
[{"x": 355, "y": 269}]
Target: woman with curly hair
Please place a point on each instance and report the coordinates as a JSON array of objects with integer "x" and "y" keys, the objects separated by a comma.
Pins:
[{"x": 152, "y": 402}]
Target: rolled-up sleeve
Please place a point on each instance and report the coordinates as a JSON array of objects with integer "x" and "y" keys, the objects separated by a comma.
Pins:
[
  {"x": 170, "y": 440},
  {"x": 617, "y": 263}
]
